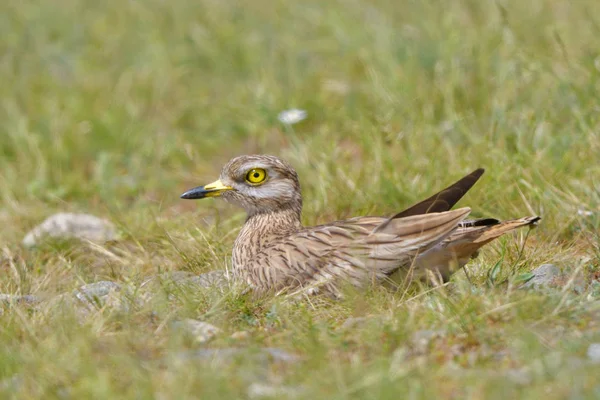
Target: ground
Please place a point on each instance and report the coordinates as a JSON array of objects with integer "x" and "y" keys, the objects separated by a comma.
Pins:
[{"x": 115, "y": 108}]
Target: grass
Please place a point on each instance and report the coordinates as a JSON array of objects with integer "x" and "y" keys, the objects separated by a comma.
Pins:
[{"x": 114, "y": 108}]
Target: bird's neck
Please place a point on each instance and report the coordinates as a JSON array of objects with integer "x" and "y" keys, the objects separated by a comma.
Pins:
[{"x": 262, "y": 230}]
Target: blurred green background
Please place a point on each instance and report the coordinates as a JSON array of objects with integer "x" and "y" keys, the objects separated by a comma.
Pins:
[
  {"x": 116, "y": 107},
  {"x": 119, "y": 104}
]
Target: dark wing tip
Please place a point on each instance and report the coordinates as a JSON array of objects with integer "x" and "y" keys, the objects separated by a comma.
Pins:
[
  {"x": 446, "y": 198},
  {"x": 477, "y": 173},
  {"x": 479, "y": 222}
]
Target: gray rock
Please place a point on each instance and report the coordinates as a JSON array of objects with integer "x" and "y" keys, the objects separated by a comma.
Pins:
[
  {"x": 543, "y": 275},
  {"x": 19, "y": 299},
  {"x": 69, "y": 226},
  {"x": 210, "y": 279},
  {"x": 172, "y": 277},
  {"x": 230, "y": 354},
  {"x": 593, "y": 353},
  {"x": 200, "y": 331},
  {"x": 104, "y": 295},
  {"x": 93, "y": 292}
]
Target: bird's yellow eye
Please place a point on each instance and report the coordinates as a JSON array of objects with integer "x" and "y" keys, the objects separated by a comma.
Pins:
[{"x": 256, "y": 176}]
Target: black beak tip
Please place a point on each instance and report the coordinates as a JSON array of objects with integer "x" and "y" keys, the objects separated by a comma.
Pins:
[{"x": 192, "y": 194}]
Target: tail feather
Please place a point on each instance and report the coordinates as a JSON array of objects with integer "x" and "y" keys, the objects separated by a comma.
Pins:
[
  {"x": 484, "y": 233},
  {"x": 464, "y": 243}
]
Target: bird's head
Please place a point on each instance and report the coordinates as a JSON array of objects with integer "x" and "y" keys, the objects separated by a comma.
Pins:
[{"x": 257, "y": 183}]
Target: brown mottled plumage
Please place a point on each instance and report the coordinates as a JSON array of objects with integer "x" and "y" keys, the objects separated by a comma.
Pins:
[{"x": 273, "y": 251}]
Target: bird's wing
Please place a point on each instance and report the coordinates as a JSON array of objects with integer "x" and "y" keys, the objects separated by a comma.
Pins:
[
  {"x": 445, "y": 199},
  {"x": 462, "y": 244},
  {"x": 355, "y": 251}
]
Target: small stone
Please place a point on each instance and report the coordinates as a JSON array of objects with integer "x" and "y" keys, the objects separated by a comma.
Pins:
[
  {"x": 281, "y": 355},
  {"x": 519, "y": 376},
  {"x": 574, "y": 363},
  {"x": 229, "y": 354},
  {"x": 11, "y": 384},
  {"x": 354, "y": 321},
  {"x": 88, "y": 299},
  {"x": 96, "y": 291},
  {"x": 260, "y": 390},
  {"x": 19, "y": 299},
  {"x": 70, "y": 226},
  {"x": 200, "y": 331},
  {"x": 543, "y": 275},
  {"x": 210, "y": 279},
  {"x": 240, "y": 335},
  {"x": 580, "y": 286},
  {"x": 593, "y": 353},
  {"x": 421, "y": 339}
]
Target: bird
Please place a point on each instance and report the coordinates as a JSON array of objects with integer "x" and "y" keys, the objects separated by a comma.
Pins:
[{"x": 275, "y": 253}]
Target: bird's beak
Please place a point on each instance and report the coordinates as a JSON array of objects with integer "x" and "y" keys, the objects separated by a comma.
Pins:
[{"x": 214, "y": 189}]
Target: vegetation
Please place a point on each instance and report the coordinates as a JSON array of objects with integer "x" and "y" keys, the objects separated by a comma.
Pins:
[{"x": 114, "y": 108}]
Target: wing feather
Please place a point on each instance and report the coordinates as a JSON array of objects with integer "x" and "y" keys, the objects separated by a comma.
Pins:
[{"x": 349, "y": 251}]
